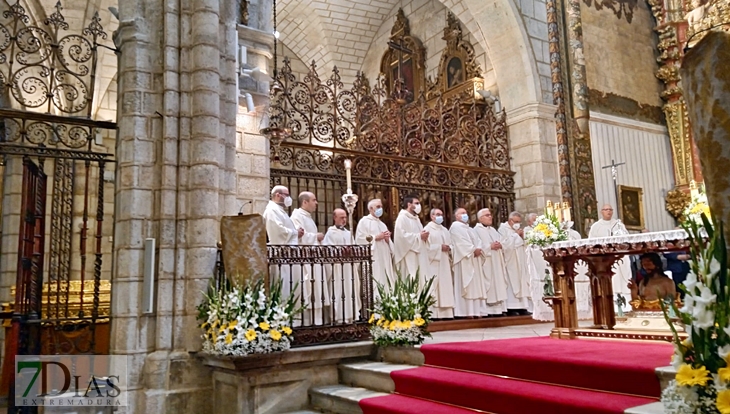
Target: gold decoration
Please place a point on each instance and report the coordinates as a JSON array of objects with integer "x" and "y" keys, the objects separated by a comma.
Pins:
[
  {"x": 676, "y": 202},
  {"x": 410, "y": 65},
  {"x": 631, "y": 206},
  {"x": 713, "y": 16},
  {"x": 61, "y": 300},
  {"x": 459, "y": 72}
]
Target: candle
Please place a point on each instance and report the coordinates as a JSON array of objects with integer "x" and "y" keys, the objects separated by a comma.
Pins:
[
  {"x": 566, "y": 211},
  {"x": 558, "y": 211},
  {"x": 348, "y": 166},
  {"x": 549, "y": 209}
]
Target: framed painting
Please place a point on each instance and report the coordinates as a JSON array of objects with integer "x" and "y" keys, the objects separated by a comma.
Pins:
[{"x": 631, "y": 206}]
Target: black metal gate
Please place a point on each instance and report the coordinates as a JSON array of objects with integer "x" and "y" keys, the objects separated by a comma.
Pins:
[{"x": 57, "y": 183}]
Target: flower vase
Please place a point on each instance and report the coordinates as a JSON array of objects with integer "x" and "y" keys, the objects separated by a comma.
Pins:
[{"x": 706, "y": 83}]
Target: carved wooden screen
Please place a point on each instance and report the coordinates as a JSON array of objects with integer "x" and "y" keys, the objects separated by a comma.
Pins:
[{"x": 451, "y": 153}]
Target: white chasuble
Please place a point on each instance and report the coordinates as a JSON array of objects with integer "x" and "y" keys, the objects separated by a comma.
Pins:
[
  {"x": 408, "y": 247},
  {"x": 494, "y": 269},
  {"x": 622, "y": 267},
  {"x": 439, "y": 264},
  {"x": 469, "y": 289},
  {"x": 344, "y": 280},
  {"x": 381, "y": 250},
  {"x": 316, "y": 294},
  {"x": 281, "y": 231},
  {"x": 515, "y": 262}
]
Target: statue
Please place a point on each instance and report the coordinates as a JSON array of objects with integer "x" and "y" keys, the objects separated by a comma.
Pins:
[
  {"x": 695, "y": 16},
  {"x": 620, "y": 303},
  {"x": 547, "y": 288}
]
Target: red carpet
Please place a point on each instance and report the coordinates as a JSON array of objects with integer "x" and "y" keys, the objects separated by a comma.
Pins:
[{"x": 605, "y": 372}]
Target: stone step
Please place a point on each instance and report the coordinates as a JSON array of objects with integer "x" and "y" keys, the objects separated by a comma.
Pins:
[
  {"x": 653, "y": 408},
  {"x": 303, "y": 412},
  {"x": 340, "y": 399},
  {"x": 371, "y": 375},
  {"x": 409, "y": 355}
]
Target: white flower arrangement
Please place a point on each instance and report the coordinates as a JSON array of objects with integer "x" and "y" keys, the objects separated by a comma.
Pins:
[
  {"x": 242, "y": 320},
  {"x": 702, "y": 360},
  {"x": 698, "y": 206},
  {"x": 546, "y": 231},
  {"x": 402, "y": 314}
]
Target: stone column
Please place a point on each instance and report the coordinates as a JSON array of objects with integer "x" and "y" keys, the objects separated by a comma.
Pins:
[
  {"x": 706, "y": 83},
  {"x": 176, "y": 169}
]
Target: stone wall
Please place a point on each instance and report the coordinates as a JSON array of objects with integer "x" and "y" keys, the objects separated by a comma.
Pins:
[{"x": 621, "y": 63}]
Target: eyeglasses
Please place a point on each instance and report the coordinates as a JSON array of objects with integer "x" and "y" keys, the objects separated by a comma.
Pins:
[{"x": 607, "y": 209}]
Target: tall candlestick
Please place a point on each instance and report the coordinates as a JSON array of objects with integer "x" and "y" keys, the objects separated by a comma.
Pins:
[
  {"x": 566, "y": 211},
  {"x": 549, "y": 209},
  {"x": 348, "y": 166},
  {"x": 558, "y": 211}
]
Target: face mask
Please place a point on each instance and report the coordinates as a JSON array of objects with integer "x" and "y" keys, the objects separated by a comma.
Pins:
[
  {"x": 417, "y": 209},
  {"x": 287, "y": 202},
  {"x": 516, "y": 226},
  {"x": 465, "y": 218},
  {"x": 378, "y": 212},
  {"x": 439, "y": 219}
]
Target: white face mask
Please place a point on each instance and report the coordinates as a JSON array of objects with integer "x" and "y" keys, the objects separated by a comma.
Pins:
[
  {"x": 378, "y": 212},
  {"x": 287, "y": 202},
  {"x": 417, "y": 209},
  {"x": 516, "y": 226},
  {"x": 439, "y": 219},
  {"x": 465, "y": 218}
]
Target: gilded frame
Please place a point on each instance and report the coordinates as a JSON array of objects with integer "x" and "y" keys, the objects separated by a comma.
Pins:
[{"x": 631, "y": 207}]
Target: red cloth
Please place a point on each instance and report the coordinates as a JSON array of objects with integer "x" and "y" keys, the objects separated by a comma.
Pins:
[{"x": 618, "y": 366}]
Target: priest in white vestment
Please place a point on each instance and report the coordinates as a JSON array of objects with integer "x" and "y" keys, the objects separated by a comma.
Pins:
[
  {"x": 316, "y": 294},
  {"x": 492, "y": 264},
  {"x": 607, "y": 227},
  {"x": 382, "y": 246},
  {"x": 515, "y": 261},
  {"x": 281, "y": 231},
  {"x": 409, "y": 242},
  {"x": 469, "y": 284},
  {"x": 438, "y": 247},
  {"x": 344, "y": 280}
]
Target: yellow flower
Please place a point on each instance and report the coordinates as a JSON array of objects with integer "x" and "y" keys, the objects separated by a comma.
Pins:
[
  {"x": 204, "y": 326},
  {"x": 419, "y": 321},
  {"x": 275, "y": 335},
  {"x": 232, "y": 324},
  {"x": 264, "y": 326},
  {"x": 372, "y": 318},
  {"x": 250, "y": 335},
  {"x": 723, "y": 402},
  {"x": 215, "y": 324},
  {"x": 687, "y": 344},
  {"x": 287, "y": 330},
  {"x": 222, "y": 329},
  {"x": 380, "y": 321},
  {"x": 229, "y": 339},
  {"x": 686, "y": 375},
  {"x": 724, "y": 374},
  {"x": 392, "y": 325}
]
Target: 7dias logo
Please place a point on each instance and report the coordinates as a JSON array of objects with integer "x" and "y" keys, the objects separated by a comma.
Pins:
[{"x": 70, "y": 381}]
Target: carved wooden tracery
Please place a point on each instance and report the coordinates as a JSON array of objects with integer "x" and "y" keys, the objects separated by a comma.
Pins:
[{"x": 451, "y": 151}]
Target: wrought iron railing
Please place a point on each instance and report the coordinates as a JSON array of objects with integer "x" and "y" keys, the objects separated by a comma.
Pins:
[{"x": 332, "y": 283}]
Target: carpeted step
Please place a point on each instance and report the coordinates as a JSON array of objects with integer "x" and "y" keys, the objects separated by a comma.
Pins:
[
  {"x": 618, "y": 366},
  {"x": 507, "y": 396},
  {"x": 401, "y": 404},
  {"x": 371, "y": 375}
]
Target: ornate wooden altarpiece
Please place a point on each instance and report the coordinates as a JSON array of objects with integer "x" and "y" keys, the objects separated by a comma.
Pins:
[
  {"x": 445, "y": 145},
  {"x": 600, "y": 254}
]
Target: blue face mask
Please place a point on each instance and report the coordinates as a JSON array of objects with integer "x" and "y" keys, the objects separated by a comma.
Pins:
[
  {"x": 465, "y": 218},
  {"x": 378, "y": 212},
  {"x": 439, "y": 219}
]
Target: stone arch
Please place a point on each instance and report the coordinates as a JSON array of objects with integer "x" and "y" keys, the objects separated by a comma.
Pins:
[{"x": 303, "y": 33}]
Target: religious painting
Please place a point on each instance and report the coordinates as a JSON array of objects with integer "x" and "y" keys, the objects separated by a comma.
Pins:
[
  {"x": 631, "y": 206},
  {"x": 455, "y": 72},
  {"x": 406, "y": 74}
]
